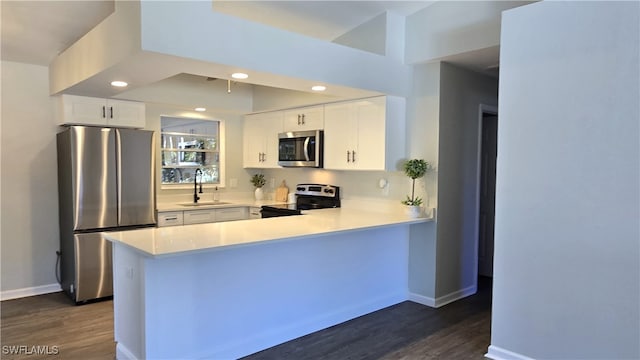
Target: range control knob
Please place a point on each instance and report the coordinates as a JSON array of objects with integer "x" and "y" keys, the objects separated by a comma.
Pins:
[
  {"x": 328, "y": 191},
  {"x": 299, "y": 188}
]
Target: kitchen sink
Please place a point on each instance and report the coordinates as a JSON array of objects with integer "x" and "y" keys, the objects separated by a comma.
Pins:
[{"x": 205, "y": 203}]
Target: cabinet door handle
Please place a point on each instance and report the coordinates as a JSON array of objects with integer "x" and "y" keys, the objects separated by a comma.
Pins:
[
  {"x": 353, "y": 156},
  {"x": 111, "y": 112},
  {"x": 104, "y": 113},
  {"x": 302, "y": 119},
  {"x": 259, "y": 157},
  {"x": 171, "y": 218},
  {"x": 298, "y": 119},
  {"x": 348, "y": 156},
  {"x": 264, "y": 157}
]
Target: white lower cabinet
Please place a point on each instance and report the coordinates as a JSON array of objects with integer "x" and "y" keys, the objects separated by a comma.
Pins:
[
  {"x": 231, "y": 214},
  {"x": 172, "y": 218},
  {"x": 254, "y": 212},
  {"x": 199, "y": 216},
  {"x": 202, "y": 216}
]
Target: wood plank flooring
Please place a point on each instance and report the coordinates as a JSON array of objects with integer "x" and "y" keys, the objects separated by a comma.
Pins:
[
  {"x": 460, "y": 330},
  {"x": 79, "y": 332},
  {"x": 409, "y": 331}
]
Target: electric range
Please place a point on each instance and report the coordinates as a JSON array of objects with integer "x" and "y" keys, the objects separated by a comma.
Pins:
[{"x": 308, "y": 197}]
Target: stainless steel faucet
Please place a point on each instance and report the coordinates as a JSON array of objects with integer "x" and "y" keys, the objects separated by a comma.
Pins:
[{"x": 195, "y": 185}]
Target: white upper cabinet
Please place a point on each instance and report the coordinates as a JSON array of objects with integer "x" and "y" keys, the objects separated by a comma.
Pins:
[
  {"x": 82, "y": 110},
  {"x": 306, "y": 118},
  {"x": 260, "y": 143},
  {"x": 366, "y": 134}
]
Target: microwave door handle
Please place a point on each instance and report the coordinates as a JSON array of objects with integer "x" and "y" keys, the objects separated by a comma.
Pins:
[{"x": 306, "y": 148}]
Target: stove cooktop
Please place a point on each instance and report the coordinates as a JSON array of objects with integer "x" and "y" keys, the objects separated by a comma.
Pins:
[{"x": 308, "y": 197}]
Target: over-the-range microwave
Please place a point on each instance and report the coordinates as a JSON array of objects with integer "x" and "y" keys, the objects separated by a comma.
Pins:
[{"x": 300, "y": 148}]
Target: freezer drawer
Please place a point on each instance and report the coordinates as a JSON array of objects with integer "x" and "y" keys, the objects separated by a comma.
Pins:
[{"x": 93, "y": 267}]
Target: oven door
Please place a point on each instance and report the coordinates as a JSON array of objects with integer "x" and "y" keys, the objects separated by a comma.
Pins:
[{"x": 300, "y": 149}]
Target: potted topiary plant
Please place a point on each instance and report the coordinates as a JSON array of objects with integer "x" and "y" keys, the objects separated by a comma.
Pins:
[
  {"x": 414, "y": 168},
  {"x": 258, "y": 182}
]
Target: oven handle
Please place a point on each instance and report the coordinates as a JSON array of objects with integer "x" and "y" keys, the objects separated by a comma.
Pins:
[{"x": 306, "y": 147}]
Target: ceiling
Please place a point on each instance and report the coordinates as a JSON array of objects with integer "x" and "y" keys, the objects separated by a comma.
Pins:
[
  {"x": 35, "y": 32},
  {"x": 324, "y": 20}
]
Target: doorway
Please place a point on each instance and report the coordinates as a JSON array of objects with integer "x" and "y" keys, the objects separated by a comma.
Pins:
[{"x": 487, "y": 156}]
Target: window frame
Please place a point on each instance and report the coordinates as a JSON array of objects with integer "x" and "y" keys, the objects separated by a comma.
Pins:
[{"x": 221, "y": 153}]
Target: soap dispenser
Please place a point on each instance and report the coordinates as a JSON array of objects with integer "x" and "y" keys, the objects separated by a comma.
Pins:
[{"x": 215, "y": 195}]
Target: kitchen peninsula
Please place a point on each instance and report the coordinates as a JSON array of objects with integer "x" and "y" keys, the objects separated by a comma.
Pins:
[{"x": 229, "y": 289}]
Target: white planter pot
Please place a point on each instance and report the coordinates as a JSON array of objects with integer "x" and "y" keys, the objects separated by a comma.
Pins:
[
  {"x": 259, "y": 194},
  {"x": 413, "y": 211}
]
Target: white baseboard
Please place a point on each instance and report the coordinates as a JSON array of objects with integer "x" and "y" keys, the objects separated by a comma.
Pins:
[
  {"x": 443, "y": 300},
  {"x": 497, "y": 353},
  {"x": 272, "y": 337},
  {"x": 30, "y": 291},
  {"x": 420, "y": 299},
  {"x": 456, "y": 295},
  {"x": 123, "y": 353}
]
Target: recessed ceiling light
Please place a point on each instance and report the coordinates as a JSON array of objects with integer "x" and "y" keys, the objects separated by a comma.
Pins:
[
  {"x": 119, "y": 83},
  {"x": 318, "y": 88},
  {"x": 200, "y": 109},
  {"x": 239, "y": 75}
]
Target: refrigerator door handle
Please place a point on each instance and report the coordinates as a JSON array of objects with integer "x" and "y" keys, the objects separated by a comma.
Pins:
[{"x": 119, "y": 175}]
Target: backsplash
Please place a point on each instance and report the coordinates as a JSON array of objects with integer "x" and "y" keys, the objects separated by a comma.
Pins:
[{"x": 355, "y": 185}]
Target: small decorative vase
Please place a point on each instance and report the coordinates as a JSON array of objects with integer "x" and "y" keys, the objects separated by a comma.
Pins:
[
  {"x": 259, "y": 194},
  {"x": 413, "y": 211}
]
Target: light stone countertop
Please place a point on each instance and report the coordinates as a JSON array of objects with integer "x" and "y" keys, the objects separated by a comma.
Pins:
[{"x": 175, "y": 240}]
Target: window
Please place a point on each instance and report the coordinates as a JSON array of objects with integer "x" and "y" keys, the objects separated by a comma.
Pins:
[{"x": 187, "y": 145}]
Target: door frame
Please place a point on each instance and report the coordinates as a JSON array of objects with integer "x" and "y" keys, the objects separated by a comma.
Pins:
[{"x": 491, "y": 110}]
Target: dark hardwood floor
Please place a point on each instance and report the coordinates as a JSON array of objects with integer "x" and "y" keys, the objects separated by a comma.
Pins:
[
  {"x": 74, "y": 332},
  {"x": 460, "y": 330}
]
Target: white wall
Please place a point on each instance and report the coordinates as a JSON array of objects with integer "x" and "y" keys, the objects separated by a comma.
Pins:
[
  {"x": 370, "y": 36},
  {"x": 443, "y": 128},
  {"x": 567, "y": 236},
  {"x": 115, "y": 39},
  {"x": 29, "y": 234},
  {"x": 423, "y": 117},
  {"x": 461, "y": 93},
  {"x": 174, "y": 29},
  {"x": 448, "y": 28},
  {"x": 266, "y": 98}
]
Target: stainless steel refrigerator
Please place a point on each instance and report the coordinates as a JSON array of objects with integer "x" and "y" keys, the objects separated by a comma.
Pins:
[{"x": 105, "y": 182}]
